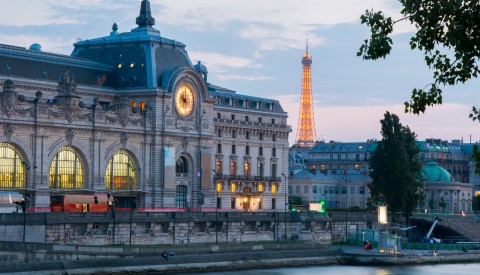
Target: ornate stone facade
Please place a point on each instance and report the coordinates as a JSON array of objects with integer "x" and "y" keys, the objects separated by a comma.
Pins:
[{"x": 104, "y": 120}]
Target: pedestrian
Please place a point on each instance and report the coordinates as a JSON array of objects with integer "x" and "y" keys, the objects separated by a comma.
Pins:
[
  {"x": 171, "y": 253},
  {"x": 165, "y": 255}
]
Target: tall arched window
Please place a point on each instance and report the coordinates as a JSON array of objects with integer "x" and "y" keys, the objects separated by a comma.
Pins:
[
  {"x": 181, "y": 196},
  {"x": 219, "y": 167},
  {"x": 121, "y": 172},
  {"x": 233, "y": 168},
  {"x": 12, "y": 171},
  {"x": 247, "y": 169},
  {"x": 66, "y": 171},
  {"x": 181, "y": 166}
]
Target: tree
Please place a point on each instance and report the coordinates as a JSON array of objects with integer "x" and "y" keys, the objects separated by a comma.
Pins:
[
  {"x": 448, "y": 34},
  {"x": 395, "y": 169},
  {"x": 296, "y": 200},
  {"x": 476, "y": 203},
  {"x": 476, "y": 158},
  {"x": 442, "y": 204}
]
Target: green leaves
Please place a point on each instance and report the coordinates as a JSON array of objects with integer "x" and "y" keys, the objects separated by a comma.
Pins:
[
  {"x": 448, "y": 33},
  {"x": 422, "y": 98},
  {"x": 396, "y": 169},
  {"x": 476, "y": 158},
  {"x": 379, "y": 44}
]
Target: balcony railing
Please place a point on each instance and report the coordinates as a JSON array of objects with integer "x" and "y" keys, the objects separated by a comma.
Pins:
[{"x": 246, "y": 178}]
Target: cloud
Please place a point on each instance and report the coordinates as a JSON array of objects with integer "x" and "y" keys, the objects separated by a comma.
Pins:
[
  {"x": 54, "y": 45},
  {"x": 221, "y": 62},
  {"x": 243, "y": 77},
  {"x": 47, "y": 12},
  {"x": 272, "y": 24}
]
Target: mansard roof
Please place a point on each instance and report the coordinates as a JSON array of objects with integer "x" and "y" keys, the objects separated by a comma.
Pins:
[{"x": 34, "y": 64}]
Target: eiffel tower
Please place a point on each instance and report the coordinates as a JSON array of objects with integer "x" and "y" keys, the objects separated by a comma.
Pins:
[{"x": 306, "y": 135}]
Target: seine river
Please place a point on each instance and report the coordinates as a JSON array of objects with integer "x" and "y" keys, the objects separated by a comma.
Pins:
[{"x": 458, "y": 269}]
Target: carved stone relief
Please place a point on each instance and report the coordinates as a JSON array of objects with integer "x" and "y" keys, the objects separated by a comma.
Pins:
[{"x": 8, "y": 131}]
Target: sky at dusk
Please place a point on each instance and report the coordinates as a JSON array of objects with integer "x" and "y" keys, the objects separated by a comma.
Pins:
[{"x": 255, "y": 48}]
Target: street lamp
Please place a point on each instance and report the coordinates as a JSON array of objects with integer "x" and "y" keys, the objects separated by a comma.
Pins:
[
  {"x": 131, "y": 167},
  {"x": 346, "y": 207},
  {"x": 216, "y": 207},
  {"x": 27, "y": 167},
  {"x": 286, "y": 203}
]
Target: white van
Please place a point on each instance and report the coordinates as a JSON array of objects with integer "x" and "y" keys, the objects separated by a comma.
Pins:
[
  {"x": 10, "y": 202},
  {"x": 6, "y": 207}
]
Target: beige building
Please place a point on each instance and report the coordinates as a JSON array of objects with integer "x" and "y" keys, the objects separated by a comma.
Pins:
[{"x": 128, "y": 114}]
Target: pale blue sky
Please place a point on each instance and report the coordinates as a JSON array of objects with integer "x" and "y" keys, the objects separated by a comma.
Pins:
[{"x": 255, "y": 48}]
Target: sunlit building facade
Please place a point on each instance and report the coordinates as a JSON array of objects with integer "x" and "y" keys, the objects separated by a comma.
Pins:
[{"x": 130, "y": 115}]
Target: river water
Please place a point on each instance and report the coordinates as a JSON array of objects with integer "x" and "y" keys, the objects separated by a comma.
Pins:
[{"x": 441, "y": 269}]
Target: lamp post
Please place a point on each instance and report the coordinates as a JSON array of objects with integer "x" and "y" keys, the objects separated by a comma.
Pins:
[
  {"x": 286, "y": 203},
  {"x": 346, "y": 207},
  {"x": 24, "y": 163},
  {"x": 130, "y": 167},
  {"x": 216, "y": 207}
]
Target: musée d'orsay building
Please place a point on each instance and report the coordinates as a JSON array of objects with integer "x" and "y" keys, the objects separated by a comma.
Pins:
[{"x": 128, "y": 114}]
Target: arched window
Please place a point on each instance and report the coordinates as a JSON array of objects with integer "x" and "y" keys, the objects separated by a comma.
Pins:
[
  {"x": 181, "y": 166},
  {"x": 66, "y": 171},
  {"x": 219, "y": 167},
  {"x": 274, "y": 170},
  {"x": 181, "y": 196},
  {"x": 121, "y": 172},
  {"x": 12, "y": 171},
  {"x": 247, "y": 169},
  {"x": 233, "y": 168}
]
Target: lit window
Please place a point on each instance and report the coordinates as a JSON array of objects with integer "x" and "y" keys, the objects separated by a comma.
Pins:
[
  {"x": 234, "y": 187},
  {"x": 66, "y": 170},
  {"x": 12, "y": 173},
  {"x": 260, "y": 188},
  {"x": 132, "y": 65},
  {"x": 120, "y": 65},
  {"x": 142, "y": 106},
  {"x": 121, "y": 172},
  {"x": 134, "y": 104},
  {"x": 219, "y": 187},
  {"x": 274, "y": 189}
]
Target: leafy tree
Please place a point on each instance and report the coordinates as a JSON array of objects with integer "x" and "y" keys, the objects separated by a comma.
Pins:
[
  {"x": 476, "y": 158},
  {"x": 476, "y": 203},
  {"x": 442, "y": 204},
  {"x": 296, "y": 200},
  {"x": 395, "y": 169},
  {"x": 448, "y": 34}
]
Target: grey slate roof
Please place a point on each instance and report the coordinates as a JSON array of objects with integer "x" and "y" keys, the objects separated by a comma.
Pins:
[{"x": 34, "y": 64}]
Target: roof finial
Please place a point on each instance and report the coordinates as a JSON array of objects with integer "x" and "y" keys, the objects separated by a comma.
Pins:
[{"x": 145, "y": 18}]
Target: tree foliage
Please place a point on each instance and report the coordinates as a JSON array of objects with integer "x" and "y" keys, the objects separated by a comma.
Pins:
[
  {"x": 476, "y": 158},
  {"x": 296, "y": 200},
  {"x": 395, "y": 169},
  {"x": 448, "y": 34}
]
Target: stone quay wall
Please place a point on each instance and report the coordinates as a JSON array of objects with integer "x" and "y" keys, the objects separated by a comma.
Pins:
[{"x": 164, "y": 228}]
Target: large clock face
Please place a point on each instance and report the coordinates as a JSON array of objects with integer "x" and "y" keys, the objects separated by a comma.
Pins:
[{"x": 184, "y": 100}]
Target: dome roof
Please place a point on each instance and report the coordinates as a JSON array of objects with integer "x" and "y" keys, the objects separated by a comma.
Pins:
[
  {"x": 35, "y": 47},
  {"x": 435, "y": 173},
  {"x": 199, "y": 67}
]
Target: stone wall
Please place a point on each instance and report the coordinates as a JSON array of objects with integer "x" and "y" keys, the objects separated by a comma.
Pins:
[{"x": 164, "y": 228}]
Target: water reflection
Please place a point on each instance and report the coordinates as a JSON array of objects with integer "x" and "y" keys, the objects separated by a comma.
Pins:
[{"x": 443, "y": 269}]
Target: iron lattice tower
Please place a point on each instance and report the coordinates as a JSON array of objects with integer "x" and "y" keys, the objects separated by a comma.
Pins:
[{"x": 306, "y": 135}]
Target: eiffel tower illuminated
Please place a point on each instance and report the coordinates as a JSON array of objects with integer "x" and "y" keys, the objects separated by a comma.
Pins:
[{"x": 306, "y": 135}]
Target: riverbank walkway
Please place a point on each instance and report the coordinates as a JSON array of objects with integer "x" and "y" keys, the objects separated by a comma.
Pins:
[{"x": 337, "y": 255}]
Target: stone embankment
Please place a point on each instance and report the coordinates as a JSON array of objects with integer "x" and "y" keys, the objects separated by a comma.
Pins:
[{"x": 238, "y": 260}]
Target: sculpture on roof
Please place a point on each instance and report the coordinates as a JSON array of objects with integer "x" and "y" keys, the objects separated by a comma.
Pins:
[
  {"x": 145, "y": 18},
  {"x": 66, "y": 84},
  {"x": 9, "y": 98}
]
